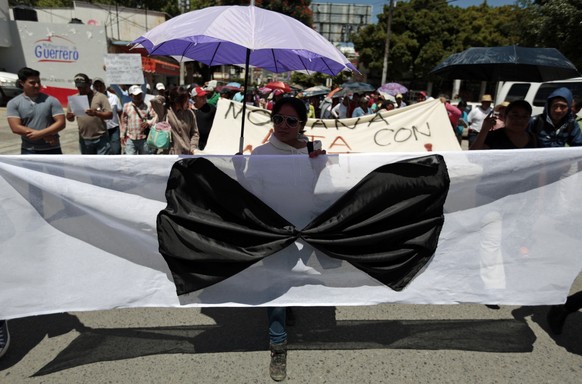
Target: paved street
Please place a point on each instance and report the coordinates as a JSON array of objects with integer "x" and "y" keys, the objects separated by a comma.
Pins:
[{"x": 466, "y": 343}]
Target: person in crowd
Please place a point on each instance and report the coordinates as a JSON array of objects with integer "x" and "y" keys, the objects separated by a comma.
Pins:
[
  {"x": 326, "y": 112},
  {"x": 212, "y": 95},
  {"x": 340, "y": 111},
  {"x": 400, "y": 101},
  {"x": 36, "y": 117},
  {"x": 226, "y": 93},
  {"x": 362, "y": 109},
  {"x": 453, "y": 112},
  {"x": 289, "y": 117},
  {"x": 136, "y": 121},
  {"x": 93, "y": 136},
  {"x": 204, "y": 115},
  {"x": 239, "y": 96},
  {"x": 499, "y": 114},
  {"x": 185, "y": 135},
  {"x": 462, "y": 123},
  {"x": 313, "y": 106},
  {"x": 514, "y": 133},
  {"x": 476, "y": 117},
  {"x": 386, "y": 105},
  {"x": 557, "y": 126},
  {"x": 113, "y": 123},
  {"x": 354, "y": 102},
  {"x": 161, "y": 89},
  {"x": 421, "y": 96}
]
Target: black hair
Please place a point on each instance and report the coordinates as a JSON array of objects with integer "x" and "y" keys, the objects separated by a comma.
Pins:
[
  {"x": 176, "y": 95},
  {"x": 519, "y": 104},
  {"x": 26, "y": 72},
  {"x": 295, "y": 103}
]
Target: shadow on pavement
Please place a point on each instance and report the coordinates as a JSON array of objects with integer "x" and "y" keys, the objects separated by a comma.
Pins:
[
  {"x": 245, "y": 329},
  {"x": 571, "y": 337}
]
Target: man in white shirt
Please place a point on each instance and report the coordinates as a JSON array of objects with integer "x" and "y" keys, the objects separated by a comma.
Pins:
[
  {"x": 113, "y": 123},
  {"x": 477, "y": 115}
]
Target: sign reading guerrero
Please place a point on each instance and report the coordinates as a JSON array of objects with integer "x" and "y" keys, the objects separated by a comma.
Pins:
[{"x": 420, "y": 127}]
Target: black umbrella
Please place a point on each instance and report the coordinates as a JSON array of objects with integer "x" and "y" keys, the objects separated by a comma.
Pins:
[{"x": 511, "y": 63}]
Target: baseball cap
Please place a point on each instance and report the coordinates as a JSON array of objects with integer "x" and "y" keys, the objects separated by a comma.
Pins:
[
  {"x": 135, "y": 90},
  {"x": 486, "y": 98},
  {"x": 198, "y": 91},
  {"x": 160, "y": 87},
  {"x": 81, "y": 80},
  {"x": 98, "y": 79}
]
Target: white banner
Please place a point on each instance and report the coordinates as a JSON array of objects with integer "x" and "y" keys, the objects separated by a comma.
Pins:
[
  {"x": 125, "y": 68},
  {"x": 78, "y": 233},
  {"x": 421, "y": 127}
]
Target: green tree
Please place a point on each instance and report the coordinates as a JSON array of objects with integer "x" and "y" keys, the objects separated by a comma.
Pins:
[
  {"x": 424, "y": 32},
  {"x": 553, "y": 23}
]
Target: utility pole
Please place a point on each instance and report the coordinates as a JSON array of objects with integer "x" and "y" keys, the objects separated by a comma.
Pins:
[{"x": 387, "y": 46}]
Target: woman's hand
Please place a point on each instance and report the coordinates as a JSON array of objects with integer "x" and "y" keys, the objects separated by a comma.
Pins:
[{"x": 317, "y": 152}]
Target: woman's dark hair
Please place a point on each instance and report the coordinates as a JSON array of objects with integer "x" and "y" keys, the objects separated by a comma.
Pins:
[
  {"x": 519, "y": 104},
  {"x": 176, "y": 95},
  {"x": 295, "y": 103},
  {"x": 462, "y": 105}
]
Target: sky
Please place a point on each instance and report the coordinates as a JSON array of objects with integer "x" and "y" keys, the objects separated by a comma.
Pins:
[{"x": 377, "y": 5}]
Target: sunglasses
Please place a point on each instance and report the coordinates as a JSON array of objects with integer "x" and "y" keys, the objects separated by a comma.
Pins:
[{"x": 291, "y": 122}]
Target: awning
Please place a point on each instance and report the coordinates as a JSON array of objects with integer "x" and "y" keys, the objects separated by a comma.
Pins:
[{"x": 160, "y": 67}]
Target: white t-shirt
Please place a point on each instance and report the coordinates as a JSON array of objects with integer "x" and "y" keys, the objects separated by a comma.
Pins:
[
  {"x": 115, "y": 108},
  {"x": 476, "y": 117}
]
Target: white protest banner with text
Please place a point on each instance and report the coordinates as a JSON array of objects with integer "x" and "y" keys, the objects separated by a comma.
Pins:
[{"x": 421, "y": 127}]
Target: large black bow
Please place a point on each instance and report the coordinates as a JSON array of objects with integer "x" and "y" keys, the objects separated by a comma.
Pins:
[{"x": 387, "y": 225}]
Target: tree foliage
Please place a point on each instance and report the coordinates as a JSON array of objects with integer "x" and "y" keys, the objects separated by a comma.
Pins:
[
  {"x": 424, "y": 32},
  {"x": 555, "y": 24}
]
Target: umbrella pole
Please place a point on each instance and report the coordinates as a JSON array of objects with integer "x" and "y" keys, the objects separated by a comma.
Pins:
[{"x": 244, "y": 107}]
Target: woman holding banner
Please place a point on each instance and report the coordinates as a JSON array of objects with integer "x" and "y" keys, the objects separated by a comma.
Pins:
[{"x": 289, "y": 116}]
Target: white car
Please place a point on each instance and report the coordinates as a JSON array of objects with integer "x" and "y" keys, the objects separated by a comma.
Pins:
[{"x": 8, "y": 87}]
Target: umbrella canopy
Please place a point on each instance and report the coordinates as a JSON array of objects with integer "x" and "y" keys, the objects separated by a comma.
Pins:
[
  {"x": 265, "y": 90},
  {"x": 244, "y": 35},
  {"x": 511, "y": 63},
  {"x": 316, "y": 91},
  {"x": 393, "y": 89},
  {"x": 233, "y": 84},
  {"x": 357, "y": 87},
  {"x": 279, "y": 85},
  {"x": 222, "y": 35}
]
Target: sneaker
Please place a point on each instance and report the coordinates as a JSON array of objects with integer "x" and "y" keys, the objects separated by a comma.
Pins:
[
  {"x": 556, "y": 318},
  {"x": 278, "y": 366},
  {"x": 4, "y": 337}
]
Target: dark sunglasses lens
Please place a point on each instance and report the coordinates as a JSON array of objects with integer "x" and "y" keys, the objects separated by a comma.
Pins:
[
  {"x": 292, "y": 122},
  {"x": 277, "y": 119}
]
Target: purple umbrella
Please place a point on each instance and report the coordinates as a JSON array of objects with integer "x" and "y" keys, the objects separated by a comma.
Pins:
[
  {"x": 393, "y": 89},
  {"x": 244, "y": 35}
]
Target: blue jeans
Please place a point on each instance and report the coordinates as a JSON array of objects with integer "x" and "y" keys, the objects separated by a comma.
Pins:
[
  {"x": 114, "y": 141},
  {"x": 277, "y": 333},
  {"x": 100, "y": 146},
  {"x": 137, "y": 147}
]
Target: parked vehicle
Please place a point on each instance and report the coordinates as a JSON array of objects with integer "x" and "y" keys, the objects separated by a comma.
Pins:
[
  {"x": 8, "y": 87},
  {"x": 536, "y": 93}
]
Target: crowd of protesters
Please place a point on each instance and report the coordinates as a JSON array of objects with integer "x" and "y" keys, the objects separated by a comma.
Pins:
[{"x": 118, "y": 119}]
